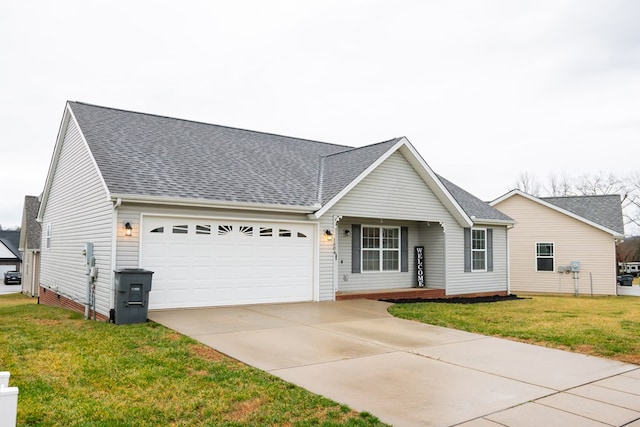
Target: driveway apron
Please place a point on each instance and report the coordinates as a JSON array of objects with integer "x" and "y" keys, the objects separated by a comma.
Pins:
[{"x": 411, "y": 374}]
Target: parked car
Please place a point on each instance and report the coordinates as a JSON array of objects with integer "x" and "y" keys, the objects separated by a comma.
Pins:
[{"x": 12, "y": 278}]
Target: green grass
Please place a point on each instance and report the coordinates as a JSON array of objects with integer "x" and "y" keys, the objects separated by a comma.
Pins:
[
  {"x": 599, "y": 326},
  {"x": 75, "y": 372}
]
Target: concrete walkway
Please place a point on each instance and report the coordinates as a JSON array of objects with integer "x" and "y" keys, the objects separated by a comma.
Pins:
[{"x": 410, "y": 374}]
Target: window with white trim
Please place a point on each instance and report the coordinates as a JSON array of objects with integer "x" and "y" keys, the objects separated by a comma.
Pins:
[
  {"x": 544, "y": 257},
  {"x": 48, "y": 237},
  {"x": 380, "y": 248},
  {"x": 478, "y": 249}
]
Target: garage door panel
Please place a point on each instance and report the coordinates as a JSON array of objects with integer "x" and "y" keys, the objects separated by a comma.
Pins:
[{"x": 220, "y": 262}]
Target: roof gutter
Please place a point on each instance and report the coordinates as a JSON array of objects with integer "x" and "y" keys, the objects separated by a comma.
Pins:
[
  {"x": 221, "y": 204},
  {"x": 507, "y": 222}
]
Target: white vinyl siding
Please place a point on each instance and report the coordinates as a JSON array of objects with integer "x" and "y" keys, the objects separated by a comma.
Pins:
[
  {"x": 461, "y": 282},
  {"x": 573, "y": 240},
  {"x": 394, "y": 190},
  {"x": 369, "y": 280},
  {"x": 77, "y": 212},
  {"x": 396, "y": 195}
]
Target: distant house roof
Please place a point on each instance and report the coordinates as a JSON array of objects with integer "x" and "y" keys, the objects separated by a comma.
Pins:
[
  {"x": 8, "y": 251},
  {"x": 30, "y": 232},
  {"x": 157, "y": 157},
  {"x": 12, "y": 237},
  {"x": 604, "y": 212}
]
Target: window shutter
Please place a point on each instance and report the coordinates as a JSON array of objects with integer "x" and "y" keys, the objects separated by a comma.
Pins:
[
  {"x": 404, "y": 249},
  {"x": 489, "y": 249},
  {"x": 467, "y": 249},
  {"x": 355, "y": 248}
]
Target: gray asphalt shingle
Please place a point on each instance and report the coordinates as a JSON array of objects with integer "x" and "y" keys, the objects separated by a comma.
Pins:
[
  {"x": 30, "y": 227},
  {"x": 143, "y": 154},
  {"x": 148, "y": 155},
  {"x": 342, "y": 168},
  {"x": 603, "y": 210},
  {"x": 473, "y": 206}
]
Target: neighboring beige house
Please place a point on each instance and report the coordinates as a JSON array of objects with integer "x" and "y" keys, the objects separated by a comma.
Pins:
[{"x": 553, "y": 233}]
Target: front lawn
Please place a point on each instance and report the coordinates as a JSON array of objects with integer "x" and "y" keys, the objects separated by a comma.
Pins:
[
  {"x": 76, "y": 372},
  {"x": 599, "y": 326}
]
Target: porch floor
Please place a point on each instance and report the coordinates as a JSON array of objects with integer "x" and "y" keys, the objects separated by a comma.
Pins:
[{"x": 381, "y": 294}]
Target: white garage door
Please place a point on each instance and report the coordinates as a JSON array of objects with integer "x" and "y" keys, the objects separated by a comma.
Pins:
[{"x": 201, "y": 263}]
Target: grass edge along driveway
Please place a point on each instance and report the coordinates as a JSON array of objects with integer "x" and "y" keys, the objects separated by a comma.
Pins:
[
  {"x": 607, "y": 326},
  {"x": 76, "y": 372}
]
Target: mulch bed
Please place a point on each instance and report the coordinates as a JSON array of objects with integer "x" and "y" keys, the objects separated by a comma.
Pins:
[{"x": 460, "y": 300}]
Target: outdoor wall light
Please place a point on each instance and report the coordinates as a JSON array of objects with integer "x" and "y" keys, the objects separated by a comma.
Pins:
[
  {"x": 347, "y": 232},
  {"x": 128, "y": 229},
  {"x": 329, "y": 234}
]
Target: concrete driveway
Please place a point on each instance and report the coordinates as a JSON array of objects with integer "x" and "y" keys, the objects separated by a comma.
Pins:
[{"x": 410, "y": 374}]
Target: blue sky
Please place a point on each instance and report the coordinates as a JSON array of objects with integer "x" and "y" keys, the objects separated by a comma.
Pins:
[{"x": 485, "y": 90}]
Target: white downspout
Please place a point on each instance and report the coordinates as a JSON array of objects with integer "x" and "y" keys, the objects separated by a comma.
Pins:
[
  {"x": 114, "y": 243},
  {"x": 509, "y": 227}
]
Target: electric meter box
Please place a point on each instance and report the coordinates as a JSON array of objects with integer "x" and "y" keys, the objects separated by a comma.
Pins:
[
  {"x": 132, "y": 295},
  {"x": 575, "y": 266}
]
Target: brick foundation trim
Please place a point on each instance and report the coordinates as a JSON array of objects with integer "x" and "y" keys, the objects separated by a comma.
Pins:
[
  {"x": 55, "y": 299},
  {"x": 411, "y": 293}
]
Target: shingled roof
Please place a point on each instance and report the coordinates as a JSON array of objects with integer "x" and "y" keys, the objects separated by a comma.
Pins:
[
  {"x": 144, "y": 154},
  {"x": 604, "y": 210},
  {"x": 31, "y": 230},
  {"x": 473, "y": 206},
  {"x": 155, "y": 156}
]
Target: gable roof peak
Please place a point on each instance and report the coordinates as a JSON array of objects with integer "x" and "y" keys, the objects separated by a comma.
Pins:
[{"x": 602, "y": 211}]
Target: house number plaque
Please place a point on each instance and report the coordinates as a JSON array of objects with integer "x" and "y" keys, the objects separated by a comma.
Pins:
[{"x": 420, "y": 265}]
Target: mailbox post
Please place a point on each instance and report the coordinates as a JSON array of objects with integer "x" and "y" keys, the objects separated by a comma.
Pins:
[{"x": 132, "y": 295}]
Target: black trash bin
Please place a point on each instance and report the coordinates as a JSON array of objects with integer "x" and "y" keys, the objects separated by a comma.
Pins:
[
  {"x": 132, "y": 295},
  {"x": 626, "y": 280}
]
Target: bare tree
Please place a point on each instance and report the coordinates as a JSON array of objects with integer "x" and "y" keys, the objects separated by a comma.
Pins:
[
  {"x": 601, "y": 183},
  {"x": 590, "y": 184},
  {"x": 528, "y": 184},
  {"x": 559, "y": 186},
  {"x": 632, "y": 201}
]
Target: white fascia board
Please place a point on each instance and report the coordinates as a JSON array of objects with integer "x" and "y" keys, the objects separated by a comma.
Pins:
[
  {"x": 352, "y": 184},
  {"x": 221, "y": 204},
  {"x": 62, "y": 132},
  {"x": 422, "y": 168},
  {"x": 507, "y": 195},
  {"x": 534, "y": 199},
  {"x": 54, "y": 162},
  {"x": 93, "y": 159},
  {"x": 432, "y": 180},
  {"x": 504, "y": 222}
]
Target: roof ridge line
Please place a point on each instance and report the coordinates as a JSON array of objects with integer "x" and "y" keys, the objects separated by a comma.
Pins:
[
  {"x": 349, "y": 149},
  {"x": 320, "y": 180},
  {"x": 208, "y": 124}
]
